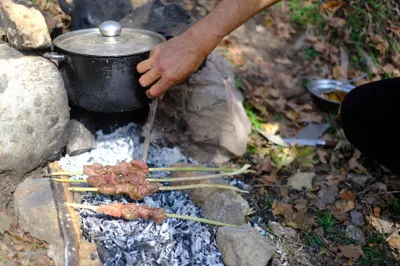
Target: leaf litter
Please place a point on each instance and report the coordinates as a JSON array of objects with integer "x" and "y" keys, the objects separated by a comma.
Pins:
[{"x": 319, "y": 192}]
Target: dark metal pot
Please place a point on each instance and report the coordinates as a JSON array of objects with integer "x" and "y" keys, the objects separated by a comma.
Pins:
[{"x": 99, "y": 66}]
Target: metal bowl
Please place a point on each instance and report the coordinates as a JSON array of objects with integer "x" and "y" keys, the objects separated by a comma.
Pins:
[{"x": 322, "y": 86}]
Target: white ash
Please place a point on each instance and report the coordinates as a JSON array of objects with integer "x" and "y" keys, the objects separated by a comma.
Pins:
[{"x": 122, "y": 242}]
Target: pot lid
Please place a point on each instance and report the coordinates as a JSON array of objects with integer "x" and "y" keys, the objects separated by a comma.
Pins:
[{"x": 109, "y": 39}]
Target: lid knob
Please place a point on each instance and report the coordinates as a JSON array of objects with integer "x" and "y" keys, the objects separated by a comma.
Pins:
[{"x": 110, "y": 28}]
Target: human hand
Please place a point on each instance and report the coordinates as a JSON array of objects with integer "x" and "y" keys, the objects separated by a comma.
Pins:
[{"x": 170, "y": 63}]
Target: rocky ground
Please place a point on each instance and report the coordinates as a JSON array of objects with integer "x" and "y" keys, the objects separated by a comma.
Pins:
[
  {"x": 322, "y": 206},
  {"x": 326, "y": 206}
]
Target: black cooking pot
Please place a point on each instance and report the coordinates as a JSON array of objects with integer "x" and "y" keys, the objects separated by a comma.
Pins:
[{"x": 98, "y": 66}]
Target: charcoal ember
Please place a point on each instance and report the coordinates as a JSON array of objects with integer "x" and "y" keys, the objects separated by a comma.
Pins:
[{"x": 174, "y": 242}]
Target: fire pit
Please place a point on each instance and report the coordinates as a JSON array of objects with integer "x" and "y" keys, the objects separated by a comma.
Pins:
[{"x": 121, "y": 242}]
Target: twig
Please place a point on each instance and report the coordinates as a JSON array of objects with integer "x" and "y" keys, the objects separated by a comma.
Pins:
[
  {"x": 169, "y": 215},
  {"x": 283, "y": 238},
  {"x": 178, "y": 179},
  {"x": 82, "y": 206},
  {"x": 382, "y": 193},
  {"x": 203, "y": 186},
  {"x": 277, "y": 186},
  {"x": 148, "y": 128},
  {"x": 95, "y": 189},
  {"x": 166, "y": 169},
  {"x": 201, "y": 220}
]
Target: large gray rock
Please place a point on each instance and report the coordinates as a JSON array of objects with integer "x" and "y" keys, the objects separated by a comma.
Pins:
[
  {"x": 36, "y": 211},
  {"x": 34, "y": 112},
  {"x": 205, "y": 114},
  {"x": 24, "y": 24},
  {"x": 227, "y": 207},
  {"x": 81, "y": 136},
  {"x": 244, "y": 246},
  {"x": 198, "y": 195}
]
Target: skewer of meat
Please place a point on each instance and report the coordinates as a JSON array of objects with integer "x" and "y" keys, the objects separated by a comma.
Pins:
[
  {"x": 137, "y": 166},
  {"x": 112, "y": 178},
  {"x": 132, "y": 211},
  {"x": 139, "y": 191}
]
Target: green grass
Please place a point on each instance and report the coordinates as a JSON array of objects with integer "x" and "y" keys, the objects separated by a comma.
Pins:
[
  {"x": 377, "y": 254},
  {"x": 310, "y": 53},
  {"x": 326, "y": 220},
  {"x": 254, "y": 119},
  {"x": 306, "y": 14},
  {"x": 278, "y": 117},
  {"x": 251, "y": 149},
  {"x": 395, "y": 208}
]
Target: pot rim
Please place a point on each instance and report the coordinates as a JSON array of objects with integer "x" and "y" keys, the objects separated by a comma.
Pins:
[{"x": 65, "y": 36}]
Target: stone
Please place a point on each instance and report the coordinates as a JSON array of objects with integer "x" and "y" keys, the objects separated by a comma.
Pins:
[
  {"x": 244, "y": 246},
  {"x": 357, "y": 218},
  {"x": 24, "y": 24},
  {"x": 5, "y": 222},
  {"x": 36, "y": 211},
  {"x": 325, "y": 196},
  {"x": 355, "y": 233},
  {"x": 280, "y": 231},
  {"x": 300, "y": 181},
  {"x": 227, "y": 207},
  {"x": 198, "y": 195},
  {"x": 34, "y": 112},
  {"x": 205, "y": 115},
  {"x": 91, "y": 13},
  {"x": 3, "y": 34},
  {"x": 172, "y": 19},
  {"x": 359, "y": 180},
  {"x": 81, "y": 135}
]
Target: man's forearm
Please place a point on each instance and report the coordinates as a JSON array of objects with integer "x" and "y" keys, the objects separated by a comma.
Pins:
[{"x": 225, "y": 18}]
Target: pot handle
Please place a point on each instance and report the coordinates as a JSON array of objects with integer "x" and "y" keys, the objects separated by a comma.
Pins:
[
  {"x": 54, "y": 56},
  {"x": 166, "y": 35}
]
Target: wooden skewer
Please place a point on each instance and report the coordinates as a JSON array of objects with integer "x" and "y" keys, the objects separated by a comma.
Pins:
[
  {"x": 169, "y": 215},
  {"x": 95, "y": 189},
  {"x": 186, "y": 178},
  {"x": 167, "y": 169}
]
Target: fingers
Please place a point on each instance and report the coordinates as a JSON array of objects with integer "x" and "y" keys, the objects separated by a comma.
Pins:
[
  {"x": 158, "y": 89},
  {"x": 150, "y": 77},
  {"x": 144, "y": 66}
]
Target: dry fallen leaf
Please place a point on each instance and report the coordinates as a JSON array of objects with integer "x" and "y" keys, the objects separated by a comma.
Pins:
[
  {"x": 346, "y": 194},
  {"x": 339, "y": 73},
  {"x": 394, "y": 241},
  {"x": 292, "y": 115},
  {"x": 320, "y": 47},
  {"x": 379, "y": 43},
  {"x": 332, "y": 6},
  {"x": 264, "y": 166},
  {"x": 376, "y": 212},
  {"x": 344, "y": 205},
  {"x": 280, "y": 208},
  {"x": 284, "y": 193},
  {"x": 268, "y": 179},
  {"x": 238, "y": 60},
  {"x": 337, "y": 22},
  {"x": 322, "y": 155},
  {"x": 350, "y": 251},
  {"x": 271, "y": 128}
]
